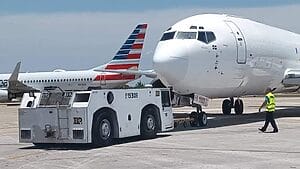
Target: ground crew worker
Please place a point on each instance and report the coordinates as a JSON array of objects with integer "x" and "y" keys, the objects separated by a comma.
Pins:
[{"x": 270, "y": 107}]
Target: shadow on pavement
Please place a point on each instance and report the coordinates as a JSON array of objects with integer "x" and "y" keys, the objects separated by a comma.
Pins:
[
  {"x": 220, "y": 120},
  {"x": 83, "y": 147}
]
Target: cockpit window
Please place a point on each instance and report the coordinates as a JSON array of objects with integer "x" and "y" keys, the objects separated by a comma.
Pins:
[
  {"x": 210, "y": 37},
  {"x": 167, "y": 36},
  {"x": 186, "y": 35},
  {"x": 193, "y": 27},
  {"x": 202, "y": 37},
  {"x": 206, "y": 37}
]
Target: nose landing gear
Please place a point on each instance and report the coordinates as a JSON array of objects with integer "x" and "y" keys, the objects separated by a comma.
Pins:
[
  {"x": 228, "y": 104},
  {"x": 199, "y": 118}
]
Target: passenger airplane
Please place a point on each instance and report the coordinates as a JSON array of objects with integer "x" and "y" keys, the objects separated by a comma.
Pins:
[
  {"x": 126, "y": 59},
  {"x": 222, "y": 56}
]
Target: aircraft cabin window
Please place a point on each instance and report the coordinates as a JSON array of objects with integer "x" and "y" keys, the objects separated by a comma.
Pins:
[
  {"x": 167, "y": 36},
  {"x": 186, "y": 35}
]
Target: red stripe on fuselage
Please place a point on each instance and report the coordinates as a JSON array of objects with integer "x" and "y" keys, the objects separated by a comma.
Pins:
[
  {"x": 114, "y": 77},
  {"x": 121, "y": 66}
]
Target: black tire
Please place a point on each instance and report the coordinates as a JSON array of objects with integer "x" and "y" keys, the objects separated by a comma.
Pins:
[
  {"x": 202, "y": 119},
  {"x": 195, "y": 121},
  {"x": 238, "y": 106},
  {"x": 103, "y": 130},
  {"x": 149, "y": 124},
  {"x": 226, "y": 107}
]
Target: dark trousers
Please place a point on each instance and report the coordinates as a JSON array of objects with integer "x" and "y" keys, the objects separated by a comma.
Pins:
[{"x": 270, "y": 119}]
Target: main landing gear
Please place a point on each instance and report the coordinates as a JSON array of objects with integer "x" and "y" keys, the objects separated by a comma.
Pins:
[{"x": 228, "y": 104}]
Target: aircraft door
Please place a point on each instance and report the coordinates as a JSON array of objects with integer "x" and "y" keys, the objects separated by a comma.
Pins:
[{"x": 240, "y": 42}]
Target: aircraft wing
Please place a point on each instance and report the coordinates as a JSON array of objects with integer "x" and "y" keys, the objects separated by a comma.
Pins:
[
  {"x": 292, "y": 78},
  {"x": 147, "y": 73},
  {"x": 15, "y": 86}
]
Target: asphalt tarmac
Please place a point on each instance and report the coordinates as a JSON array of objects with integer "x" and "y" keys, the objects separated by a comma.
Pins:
[{"x": 231, "y": 141}]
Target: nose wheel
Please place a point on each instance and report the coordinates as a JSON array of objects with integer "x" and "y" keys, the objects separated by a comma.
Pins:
[
  {"x": 228, "y": 104},
  {"x": 199, "y": 118}
]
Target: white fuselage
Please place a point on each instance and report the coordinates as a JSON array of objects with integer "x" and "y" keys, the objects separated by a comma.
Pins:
[
  {"x": 67, "y": 80},
  {"x": 245, "y": 58}
]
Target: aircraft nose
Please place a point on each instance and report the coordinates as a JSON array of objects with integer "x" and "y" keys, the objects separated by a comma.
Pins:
[{"x": 170, "y": 63}]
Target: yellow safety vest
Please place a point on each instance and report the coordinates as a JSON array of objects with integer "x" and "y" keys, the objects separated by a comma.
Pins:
[{"x": 270, "y": 102}]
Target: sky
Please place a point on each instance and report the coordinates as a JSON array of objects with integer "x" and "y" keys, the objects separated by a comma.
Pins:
[{"x": 81, "y": 34}]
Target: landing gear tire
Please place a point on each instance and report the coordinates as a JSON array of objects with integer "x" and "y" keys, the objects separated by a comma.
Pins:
[
  {"x": 226, "y": 107},
  {"x": 238, "y": 106},
  {"x": 103, "y": 130},
  {"x": 149, "y": 124},
  {"x": 194, "y": 116},
  {"x": 202, "y": 119},
  {"x": 199, "y": 119}
]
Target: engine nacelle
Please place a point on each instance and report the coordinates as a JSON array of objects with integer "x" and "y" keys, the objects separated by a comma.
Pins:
[{"x": 3, "y": 96}]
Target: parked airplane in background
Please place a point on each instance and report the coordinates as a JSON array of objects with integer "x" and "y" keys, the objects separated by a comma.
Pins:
[
  {"x": 126, "y": 59},
  {"x": 221, "y": 56}
]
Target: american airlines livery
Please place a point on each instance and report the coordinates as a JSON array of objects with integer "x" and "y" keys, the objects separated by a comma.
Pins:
[
  {"x": 127, "y": 58},
  {"x": 222, "y": 56}
]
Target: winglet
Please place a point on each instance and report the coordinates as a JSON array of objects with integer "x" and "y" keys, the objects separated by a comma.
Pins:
[{"x": 15, "y": 73}]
